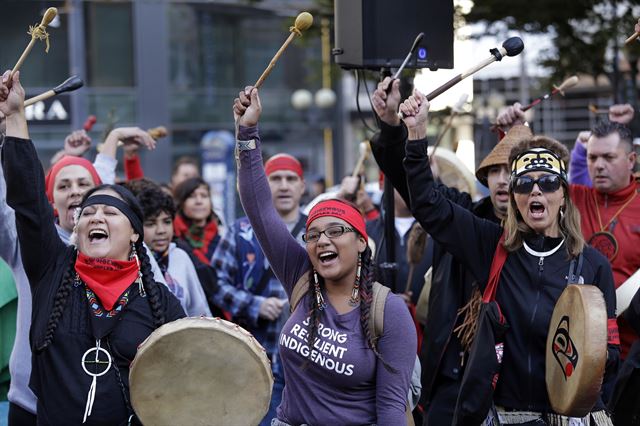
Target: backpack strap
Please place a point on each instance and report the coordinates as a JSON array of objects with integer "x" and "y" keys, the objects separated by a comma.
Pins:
[
  {"x": 575, "y": 268},
  {"x": 376, "y": 315},
  {"x": 299, "y": 290}
]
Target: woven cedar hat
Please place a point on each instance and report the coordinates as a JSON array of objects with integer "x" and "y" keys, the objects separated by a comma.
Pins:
[{"x": 499, "y": 155}]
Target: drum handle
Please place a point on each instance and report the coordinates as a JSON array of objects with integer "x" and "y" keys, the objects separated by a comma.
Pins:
[{"x": 574, "y": 272}]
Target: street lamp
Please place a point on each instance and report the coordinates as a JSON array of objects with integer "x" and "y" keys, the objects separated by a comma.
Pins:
[
  {"x": 302, "y": 99},
  {"x": 324, "y": 99}
]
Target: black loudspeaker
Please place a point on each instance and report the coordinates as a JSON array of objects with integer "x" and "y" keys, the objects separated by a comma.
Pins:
[{"x": 373, "y": 34}]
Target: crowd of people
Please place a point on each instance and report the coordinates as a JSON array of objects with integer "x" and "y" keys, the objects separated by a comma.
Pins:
[{"x": 353, "y": 336}]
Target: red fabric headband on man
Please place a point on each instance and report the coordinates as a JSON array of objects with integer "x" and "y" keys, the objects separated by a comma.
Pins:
[
  {"x": 64, "y": 162},
  {"x": 283, "y": 162},
  {"x": 341, "y": 210}
]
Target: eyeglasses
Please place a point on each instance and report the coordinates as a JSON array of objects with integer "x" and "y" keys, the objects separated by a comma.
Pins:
[
  {"x": 331, "y": 232},
  {"x": 546, "y": 183}
]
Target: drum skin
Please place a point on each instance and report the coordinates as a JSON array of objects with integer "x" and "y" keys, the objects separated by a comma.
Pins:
[
  {"x": 200, "y": 371},
  {"x": 576, "y": 350}
]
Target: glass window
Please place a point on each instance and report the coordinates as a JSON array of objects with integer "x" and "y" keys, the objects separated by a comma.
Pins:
[{"x": 108, "y": 28}]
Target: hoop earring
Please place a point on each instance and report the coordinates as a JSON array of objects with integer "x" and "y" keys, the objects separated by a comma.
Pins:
[
  {"x": 134, "y": 255},
  {"x": 316, "y": 288},
  {"x": 354, "y": 300}
]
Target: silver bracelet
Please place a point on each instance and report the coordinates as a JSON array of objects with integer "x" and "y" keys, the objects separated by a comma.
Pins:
[{"x": 246, "y": 145}]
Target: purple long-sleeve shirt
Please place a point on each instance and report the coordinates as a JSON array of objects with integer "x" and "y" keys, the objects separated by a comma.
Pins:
[
  {"x": 578, "y": 171},
  {"x": 344, "y": 383}
]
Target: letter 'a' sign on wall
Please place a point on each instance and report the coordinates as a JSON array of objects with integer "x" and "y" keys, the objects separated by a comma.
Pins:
[{"x": 55, "y": 110}]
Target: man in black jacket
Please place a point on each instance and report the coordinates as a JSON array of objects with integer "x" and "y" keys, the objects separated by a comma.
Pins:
[{"x": 442, "y": 353}]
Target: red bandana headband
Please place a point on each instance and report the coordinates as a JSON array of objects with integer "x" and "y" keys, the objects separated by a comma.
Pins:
[
  {"x": 64, "y": 162},
  {"x": 341, "y": 210},
  {"x": 283, "y": 162}
]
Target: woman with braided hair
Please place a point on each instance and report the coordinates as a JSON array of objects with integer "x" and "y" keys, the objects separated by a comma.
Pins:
[
  {"x": 93, "y": 302},
  {"x": 336, "y": 371}
]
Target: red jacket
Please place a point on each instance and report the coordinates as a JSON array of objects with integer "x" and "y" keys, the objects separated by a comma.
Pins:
[{"x": 626, "y": 230}]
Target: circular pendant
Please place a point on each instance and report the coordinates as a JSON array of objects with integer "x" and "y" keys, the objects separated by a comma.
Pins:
[
  {"x": 605, "y": 243},
  {"x": 96, "y": 362}
]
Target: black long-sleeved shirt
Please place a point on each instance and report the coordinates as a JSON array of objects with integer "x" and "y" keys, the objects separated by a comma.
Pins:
[
  {"x": 57, "y": 377},
  {"x": 528, "y": 289},
  {"x": 441, "y": 353}
]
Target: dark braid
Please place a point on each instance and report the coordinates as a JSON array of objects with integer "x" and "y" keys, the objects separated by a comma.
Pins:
[
  {"x": 366, "y": 298},
  {"x": 314, "y": 314},
  {"x": 150, "y": 286},
  {"x": 59, "y": 303}
]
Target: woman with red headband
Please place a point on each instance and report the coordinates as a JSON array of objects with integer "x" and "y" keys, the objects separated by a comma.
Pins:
[
  {"x": 335, "y": 371},
  {"x": 70, "y": 177},
  {"x": 95, "y": 302}
]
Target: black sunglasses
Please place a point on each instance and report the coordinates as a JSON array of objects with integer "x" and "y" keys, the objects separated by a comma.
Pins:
[{"x": 546, "y": 183}]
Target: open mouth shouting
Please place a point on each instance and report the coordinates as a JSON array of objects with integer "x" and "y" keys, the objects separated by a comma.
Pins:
[
  {"x": 537, "y": 210},
  {"x": 327, "y": 258},
  {"x": 98, "y": 236}
]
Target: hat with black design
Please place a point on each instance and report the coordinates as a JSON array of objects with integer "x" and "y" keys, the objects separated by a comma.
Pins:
[{"x": 538, "y": 160}]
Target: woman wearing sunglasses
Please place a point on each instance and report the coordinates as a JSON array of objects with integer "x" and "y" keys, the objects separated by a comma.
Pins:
[
  {"x": 335, "y": 371},
  {"x": 541, "y": 237}
]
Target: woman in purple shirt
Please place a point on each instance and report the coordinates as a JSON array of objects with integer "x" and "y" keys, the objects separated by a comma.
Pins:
[{"x": 335, "y": 373}]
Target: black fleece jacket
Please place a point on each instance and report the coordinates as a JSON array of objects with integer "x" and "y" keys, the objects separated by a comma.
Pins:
[
  {"x": 451, "y": 283},
  {"x": 528, "y": 289}
]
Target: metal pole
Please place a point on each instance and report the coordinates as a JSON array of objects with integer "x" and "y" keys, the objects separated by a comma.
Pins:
[{"x": 326, "y": 84}]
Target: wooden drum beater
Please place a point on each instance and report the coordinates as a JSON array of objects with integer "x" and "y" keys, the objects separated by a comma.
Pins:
[
  {"x": 303, "y": 22},
  {"x": 510, "y": 47},
  {"x": 69, "y": 85},
  {"x": 37, "y": 32}
]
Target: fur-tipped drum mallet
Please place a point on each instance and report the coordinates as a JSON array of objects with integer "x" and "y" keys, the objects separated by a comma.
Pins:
[
  {"x": 510, "y": 47},
  {"x": 570, "y": 82},
  {"x": 69, "y": 85},
  {"x": 38, "y": 32},
  {"x": 158, "y": 132},
  {"x": 303, "y": 22}
]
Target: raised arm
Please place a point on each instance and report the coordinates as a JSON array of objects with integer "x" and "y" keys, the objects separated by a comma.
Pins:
[
  {"x": 388, "y": 145},
  {"x": 578, "y": 172},
  {"x": 39, "y": 241},
  {"x": 470, "y": 239},
  {"x": 288, "y": 260}
]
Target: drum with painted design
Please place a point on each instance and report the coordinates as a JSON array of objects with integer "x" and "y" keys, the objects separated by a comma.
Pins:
[
  {"x": 200, "y": 371},
  {"x": 576, "y": 350}
]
